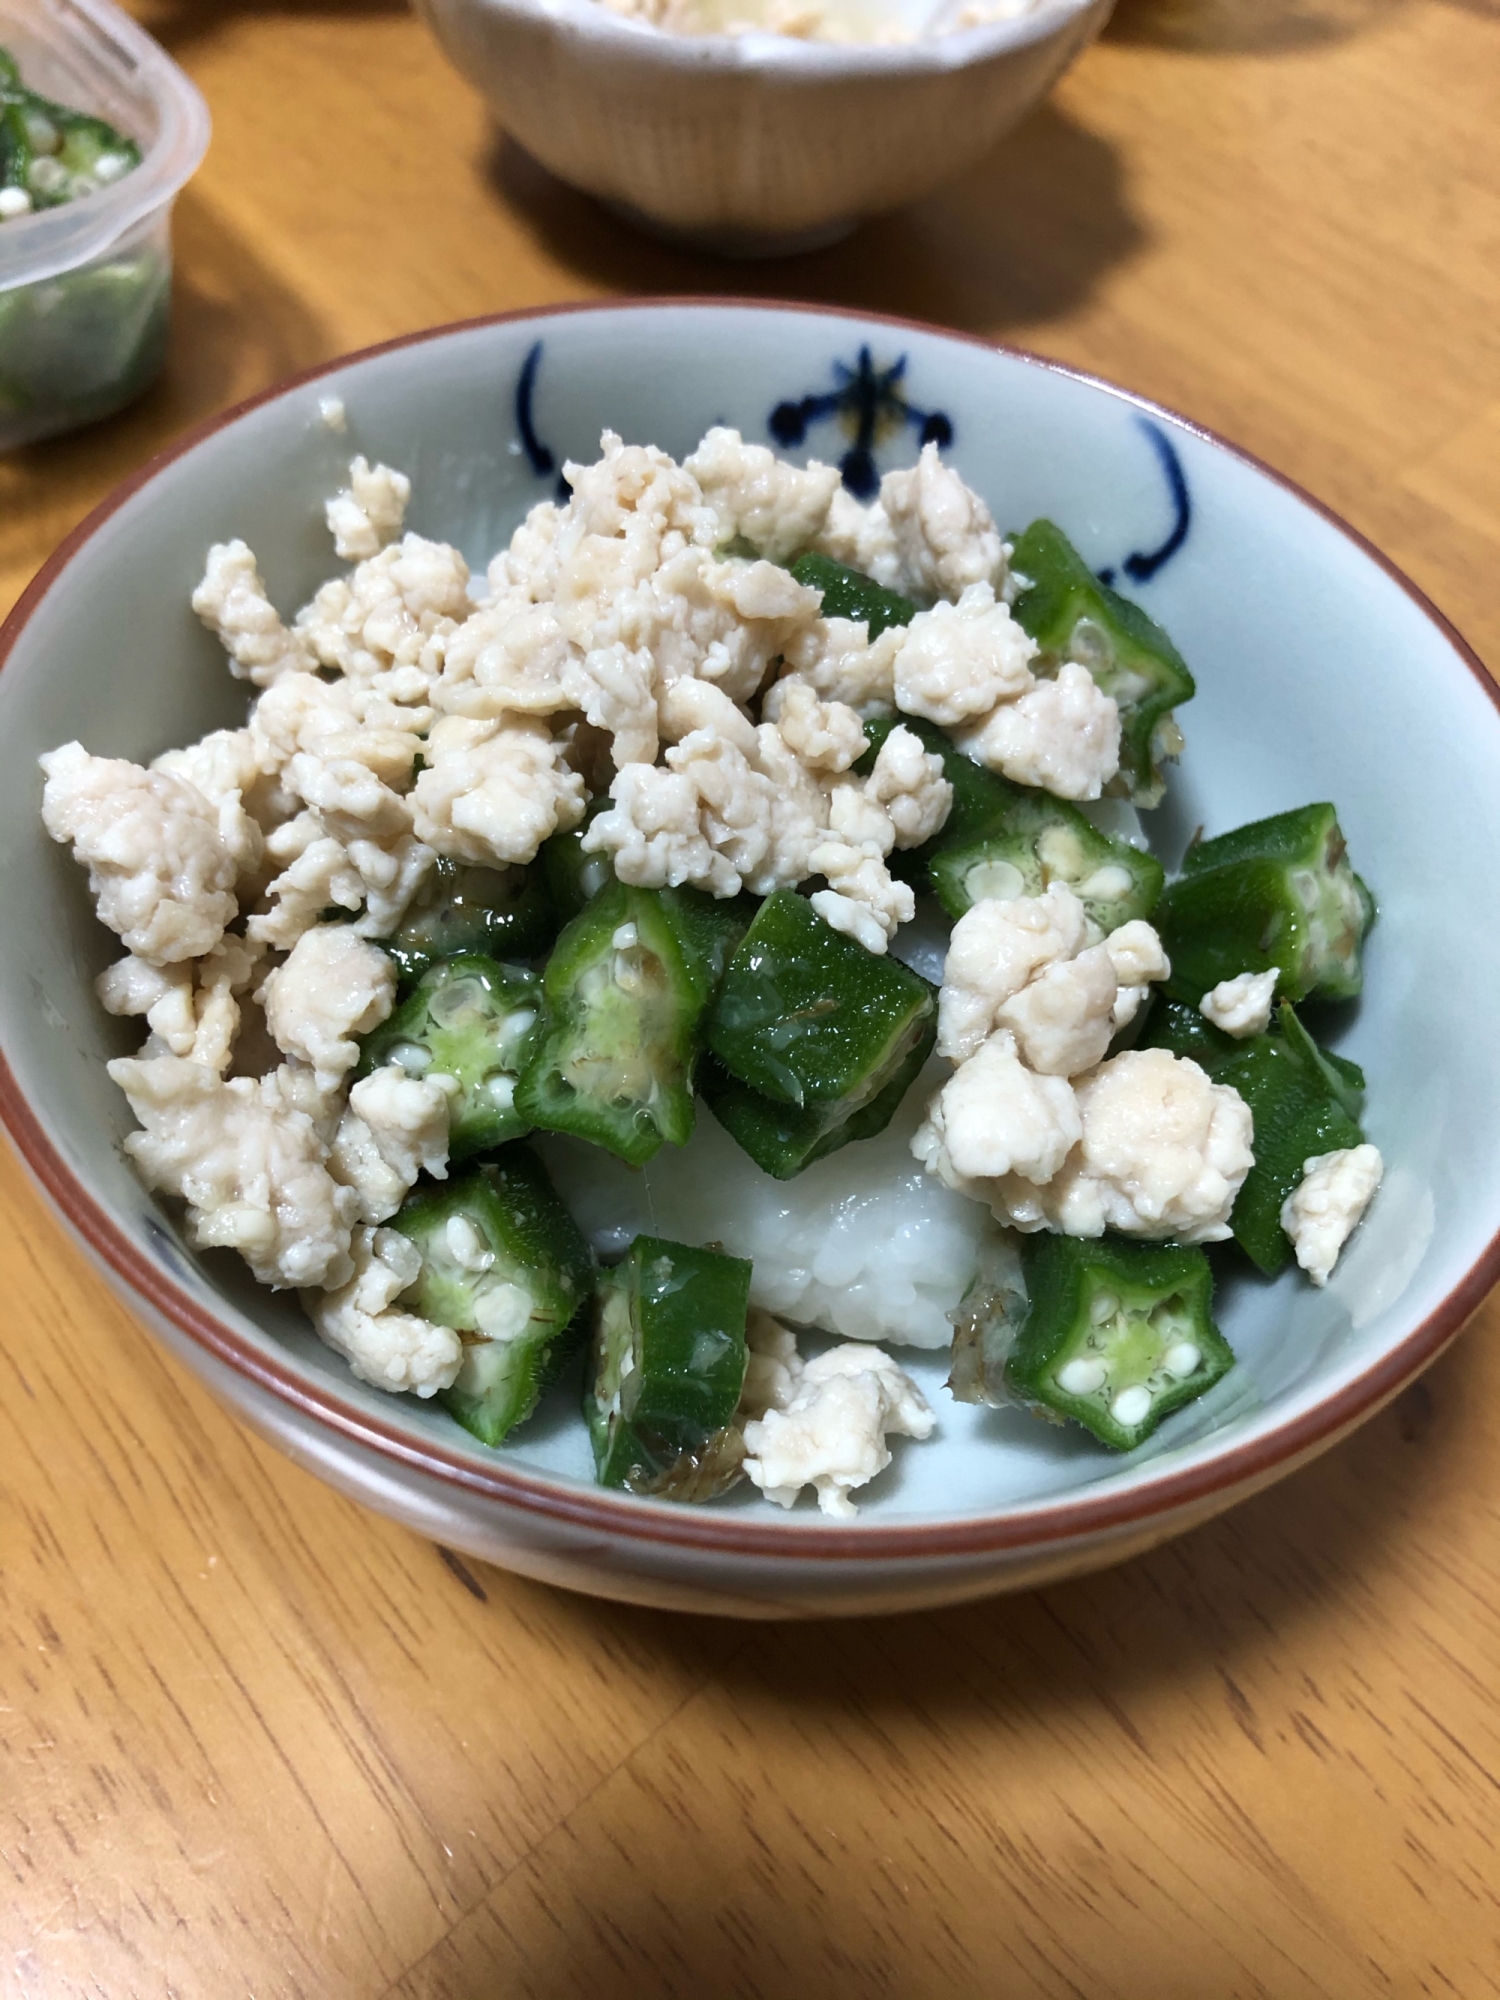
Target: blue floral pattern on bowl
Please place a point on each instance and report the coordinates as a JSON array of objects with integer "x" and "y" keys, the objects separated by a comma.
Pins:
[{"x": 871, "y": 404}]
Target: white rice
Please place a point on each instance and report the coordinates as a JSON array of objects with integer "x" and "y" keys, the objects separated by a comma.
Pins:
[{"x": 863, "y": 1244}]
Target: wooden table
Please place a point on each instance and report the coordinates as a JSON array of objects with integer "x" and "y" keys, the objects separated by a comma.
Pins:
[{"x": 255, "y": 1742}]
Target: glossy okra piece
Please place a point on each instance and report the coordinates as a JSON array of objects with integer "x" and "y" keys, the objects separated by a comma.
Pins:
[
  {"x": 1039, "y": 840},
  {"x": 499, "y": 912},
  {"x": 625, "y": 992},
  {"x": 1304, "y": 1100},
  {"x": 1280, "y": 892},
  {"x": 1073, "y": 616},
  {"x": 782, "y": 1139},
  {"x": 1005, "y": 840},
  {"x": 471, "y": 1018},
  {"x": 574, "y": 875},
  {"x": 666, "y": 1369},
  {"x": 807, "y": 1017},
  {"x": 504, "y": 1264},
  {"x": 1114, "y": 1334},
  {"x": 848, "y": 593},
  {"x": 978, "y": 795}
]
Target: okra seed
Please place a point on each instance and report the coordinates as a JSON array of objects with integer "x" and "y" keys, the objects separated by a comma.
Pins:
[
  {"x": 109, "y": 167},
  {"x": 995, "y": 882},
  {"x": 1131, "y": 1405},
  {"x": 1106, "y": 885},
  {"x": 1060, "y": 852},
  {"x": 502, "y": 1311},
  {"x": 626, "y": 938},
  {"x": 41, "y": 134},
  {"x": 1181, "y": 1360},
  {"x": 412, "y": 1057},
  {"x": 500, "y": 1089},
  {"x": 517, "y": 1027},
  {"x": 47, "y": 176},
  {"x": 14, "y": 201},
  {"x": 1090, "y": 644},
  {"x": 1081, "y": 1377},
  {"x": 451, "y": 1005},
  {"x": 1103, "y": 1306},
  {"x": 466, "y": 1246}
]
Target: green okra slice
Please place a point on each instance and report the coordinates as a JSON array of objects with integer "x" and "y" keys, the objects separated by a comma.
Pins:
[
  {"x": 1304, "y": 1100},
  {"x": 1280, "y": 892},
  {"x": 782, "y": 1139},
  {"x": 625, "y": 992},
  {"x": 463, "y": 908},
  {"x": 506, "y": 1266},
  {"x": 806, "y": 1016},
  {"x": 1040, "y": 840},
  {"x": 979, "y": 796},
  {"x": 471, "y": 1018},
  {"x": 1178, "y": 1027},
  {"x": 573, "y": 874},
  {"x": 1297, "y": 1117},
  {"x": 1004, "y": 840},
  {"x": 848, "y": 593},
  {"x": 1073, "y": 616},
  {"x": 1114, "y": 1334},
  {"x": 666, "y": 1369}
]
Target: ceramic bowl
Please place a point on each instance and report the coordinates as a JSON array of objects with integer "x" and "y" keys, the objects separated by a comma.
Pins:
[
  {"x": 1322, "y": 674},
  {"x": 752, "y": 145}
]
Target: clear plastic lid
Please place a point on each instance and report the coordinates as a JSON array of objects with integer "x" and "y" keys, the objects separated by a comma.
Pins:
[{"x": 89, "y": 55}]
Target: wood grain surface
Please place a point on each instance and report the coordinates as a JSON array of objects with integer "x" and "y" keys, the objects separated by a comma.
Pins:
[{"x": 255, "y": 1742}]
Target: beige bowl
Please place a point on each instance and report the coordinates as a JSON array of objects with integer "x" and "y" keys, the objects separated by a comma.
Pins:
[{"x": 757, "y": 144}]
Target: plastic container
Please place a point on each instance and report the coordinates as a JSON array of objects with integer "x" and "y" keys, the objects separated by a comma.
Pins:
[{"x": 85, "y": 290}]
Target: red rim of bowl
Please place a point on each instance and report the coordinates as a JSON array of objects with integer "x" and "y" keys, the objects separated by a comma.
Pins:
[{"x": 1098, "y": 1513}]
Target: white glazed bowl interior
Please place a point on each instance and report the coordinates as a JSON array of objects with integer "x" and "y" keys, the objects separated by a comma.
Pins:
[
  {"x": 752, "y": 144},
  {"x": 1321, "y": 675}
]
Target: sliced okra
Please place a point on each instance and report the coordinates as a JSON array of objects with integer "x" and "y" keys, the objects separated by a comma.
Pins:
[
  {"x": 625, "y": 992},
  {"x": 1040, "y": 840},
  {"x": 1114, "y": 1334},
  {"x": 461, "y": 907},
  {"x": 573, "y": 874},
  {"x": 1004, "y": 840},
  {"x": 807, "y": 1017},
  {"x": 471, "y": 1018},
  {"x": 848, "y": 593},
  {"x": 55, "y": 153},
  {"x": 1278, "y": 893},
  {"x": 782, "y": 1139},
  {"x": 506, "y": 1266},
  {"x": 1304, "y": 1100},
  {"x": 666, "y": 1370},
  {"x": 1073, "y": 616}
]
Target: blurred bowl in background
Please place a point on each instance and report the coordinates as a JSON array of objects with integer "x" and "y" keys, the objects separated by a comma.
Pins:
[{"x": 753, "y": 144}]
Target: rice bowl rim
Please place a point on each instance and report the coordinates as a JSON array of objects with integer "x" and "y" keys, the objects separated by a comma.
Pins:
[{"x": 1099, "y": 1512}]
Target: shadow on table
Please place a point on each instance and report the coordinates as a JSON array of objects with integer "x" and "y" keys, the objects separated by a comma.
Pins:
[
  {"x": 1023, "y": 238},
  {"x": 734, "y": 1869},
  {"x": 1253, "y": 27},
  {"x": 179, "y": 23}
]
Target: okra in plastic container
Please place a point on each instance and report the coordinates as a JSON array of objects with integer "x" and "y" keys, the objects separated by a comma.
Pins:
[{"x": 85, "y": 288}]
